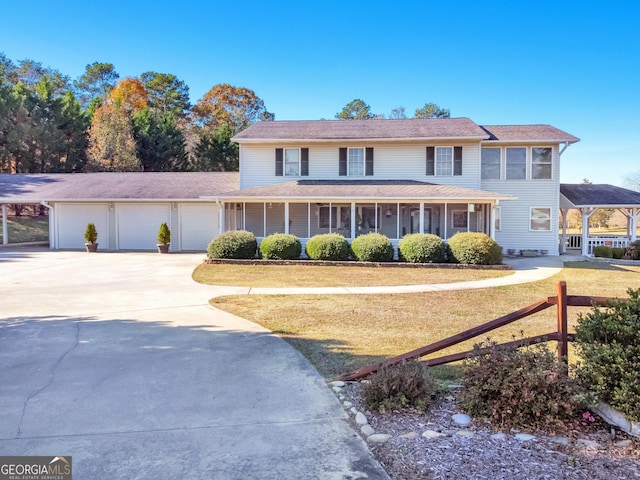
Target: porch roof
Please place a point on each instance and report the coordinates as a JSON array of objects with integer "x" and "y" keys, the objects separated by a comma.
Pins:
[
  {"x": 376, "y": 190},
  {"x": 587, "y": 195}
]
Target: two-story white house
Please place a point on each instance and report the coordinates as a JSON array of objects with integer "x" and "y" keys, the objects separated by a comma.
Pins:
[
  {"x": 438, "y": 176},
  {"x": 395, "y": 177}
]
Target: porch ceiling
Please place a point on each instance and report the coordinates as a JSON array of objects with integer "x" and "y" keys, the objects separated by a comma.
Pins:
[
  {"x": 390, "y": 190},
  {"x": 597, "y": 196}
]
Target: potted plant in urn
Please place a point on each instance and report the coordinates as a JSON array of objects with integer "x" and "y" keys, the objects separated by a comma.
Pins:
[
  {"x": 90, "y": 237},
  {"x": 164, "y": 238}
]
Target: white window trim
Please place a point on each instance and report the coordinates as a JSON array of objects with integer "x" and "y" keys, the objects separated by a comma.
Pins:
[
  {"x": 364, "y": 161},
  {"x": 284, "y": 161},
  {"x": 435, "y": 161},
  {"x": 531, "y": 218},
  {"x": 530, "y": 155}
]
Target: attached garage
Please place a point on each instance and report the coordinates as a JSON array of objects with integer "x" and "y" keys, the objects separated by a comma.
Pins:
[
  {"x": 72, "y": 219},
  {"x": 137, "y": 224},
  {"x": 199, "y": 223}
]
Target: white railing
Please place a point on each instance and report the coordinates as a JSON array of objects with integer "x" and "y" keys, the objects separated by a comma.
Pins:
[
  {"x": 613, "y": 241},
  {"x": 574, "y": 241}
]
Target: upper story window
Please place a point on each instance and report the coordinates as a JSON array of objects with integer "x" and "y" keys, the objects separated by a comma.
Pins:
[
  {"x": 541, "y": 163},
  {"x": 292, "y": 162},
  {"x": 490, "y": 164},
  {"x": 516, "y": 166},
  {"x": 355, "y": 160},
  {"x": 444, "y": 161}
]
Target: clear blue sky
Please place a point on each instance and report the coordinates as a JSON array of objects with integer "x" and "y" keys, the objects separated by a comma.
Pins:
[{"x": 572, "y": 64}]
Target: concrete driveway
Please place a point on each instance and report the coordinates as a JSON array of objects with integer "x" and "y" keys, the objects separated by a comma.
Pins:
[{"x": 117, "y": 360}]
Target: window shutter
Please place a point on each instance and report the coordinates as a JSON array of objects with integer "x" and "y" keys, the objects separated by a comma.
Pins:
[
  {"x": 431, "y": 160},
  {"x": 279, "y": 167},
  {"x": 342, "y": 162},
  {"x": 368, "y": 169},
  {"x": 304, "y": 162},
  {"x": 457, "y": 160}
]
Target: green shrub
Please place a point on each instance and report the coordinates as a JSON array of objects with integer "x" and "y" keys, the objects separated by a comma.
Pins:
[
  {"x": 164, "y": 234},
  {"x": 618, "y": 253},
  {"x": 91, "y": 234},
  {"x": 281, "y": 246},
  {"x": 372, "y": 247},
  {"x": 421, "y": 248},
  {"x": 474, "y": 248},
  {"x": 602, "y": 251},
  {"x": 233, "y": 244},
  {"x": 608, "y": 343},
  {"x": 405, "y": 385},
  {"x": 524, "y": 387},
  {"x": 328, "y": 246}
]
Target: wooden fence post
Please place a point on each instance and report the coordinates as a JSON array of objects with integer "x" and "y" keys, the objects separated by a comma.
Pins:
[{"x": 563, "y": 344}]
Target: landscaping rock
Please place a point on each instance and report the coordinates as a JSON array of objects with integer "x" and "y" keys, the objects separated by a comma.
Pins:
[
  {"x": 378, "y": 438},
  {"x": 338, "y": 383},
  {"x": 590, "y": 444},
  {"x": 409, "y": 436},
  {"x": 361, "y": 419},
  {"x": 465, "y": 433},
  {"x": 347, "y": 404},
  {"x": 525, "y": 437},
  {"x": 336, "y": 389},
  {"x": 623, "y": 443},
  {"x": 430, "y": 434},
  {"x": 461, "y": 419},
  {"x": 501, "y": 437},
  {"x": 367, "y": 430},
  {"x": 560, "y": 440}
]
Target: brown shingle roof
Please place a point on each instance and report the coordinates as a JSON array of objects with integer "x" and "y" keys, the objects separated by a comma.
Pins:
[
  {"x": 332, "y": 130},
  {"x": 594, "y": 195},
  {"x": 528, "y": 133},
  {"x": 369, "y": 189},
  {"x": 113, "y": 186}
]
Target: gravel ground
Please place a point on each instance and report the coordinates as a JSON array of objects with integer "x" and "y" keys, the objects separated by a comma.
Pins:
[{"x": 475, "y": 455}]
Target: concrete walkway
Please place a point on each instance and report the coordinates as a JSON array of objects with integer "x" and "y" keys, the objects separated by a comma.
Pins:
[
  {"x": 525, "y": 270},
  {"x": 118, "y": 360}
]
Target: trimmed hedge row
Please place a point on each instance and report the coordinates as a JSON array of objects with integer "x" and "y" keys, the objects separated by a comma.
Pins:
[{"x": 468, "y": 248}]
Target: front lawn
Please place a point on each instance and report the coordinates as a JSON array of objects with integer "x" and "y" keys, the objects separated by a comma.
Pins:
[
  {"x": 27, "y": 229},
  {"x": 339, "y": 333},
  {"x": 323, "y": 276}
]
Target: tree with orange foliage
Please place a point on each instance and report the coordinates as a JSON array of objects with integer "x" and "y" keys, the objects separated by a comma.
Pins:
[
  {"x": 129, "y": 94},
  {"x": 233, "y": 107},
  {"x": 112, "y": 147}
]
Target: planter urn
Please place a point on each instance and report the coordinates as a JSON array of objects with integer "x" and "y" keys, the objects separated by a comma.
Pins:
[
  {"x": 163, "y": 247},
  {"x": 91, "y": 247}
]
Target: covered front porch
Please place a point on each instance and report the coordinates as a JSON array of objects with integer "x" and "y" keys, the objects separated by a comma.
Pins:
[
  {"x": 356, "y": 208},
  {"x": 589, "y": 198}
]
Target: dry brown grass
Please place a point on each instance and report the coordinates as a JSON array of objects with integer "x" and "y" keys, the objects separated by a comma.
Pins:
[
  {"x": 341, "y": 332},
  {"x": 327, "y": 276}
]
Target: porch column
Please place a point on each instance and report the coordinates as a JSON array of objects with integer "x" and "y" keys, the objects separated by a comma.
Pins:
[
  {"x": 469, "y": 207},
  {"x": 397, "y": 220},
  {"x": 586, "y": 214},
  {"x": 635, "y": 213},
  {"x": 563, "y": 241},
  {"x": 492, "y": 222},
  {"x": 308, "y": 219},
  {"x": 353, "y": 220},
  {"x": 222, "y": 222},
  {"x": 445, "y": 221},
  {"x": 286, "y": 217},
  {"x": 5, "y": 231},
  {"x": 421, "y": 217},
  {"x": 264, "y": 219}
]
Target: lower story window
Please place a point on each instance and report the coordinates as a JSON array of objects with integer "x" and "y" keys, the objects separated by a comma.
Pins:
[
  {"x": 460, "y": 219},
  {"x": 540, "y": 219}
]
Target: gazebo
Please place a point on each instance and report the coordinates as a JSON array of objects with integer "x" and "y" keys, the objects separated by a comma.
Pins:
[{"x": 587, "y": 199}]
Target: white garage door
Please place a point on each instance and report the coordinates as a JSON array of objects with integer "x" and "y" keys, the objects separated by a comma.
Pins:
[
  {"x": 198, "y": 225},
  {"x": 138, "y": 224},
  {"x": 72, "y": 220}
]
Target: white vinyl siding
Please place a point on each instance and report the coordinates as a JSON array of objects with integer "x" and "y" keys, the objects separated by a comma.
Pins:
[{"x": 392, "y": 162}]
